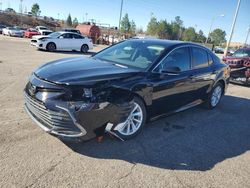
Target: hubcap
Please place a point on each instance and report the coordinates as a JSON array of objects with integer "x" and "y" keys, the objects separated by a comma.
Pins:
[
  {"x": 84, "y": 49},
  {"x": 132, "y": 123},
  {"x": 216, "y": 96}
]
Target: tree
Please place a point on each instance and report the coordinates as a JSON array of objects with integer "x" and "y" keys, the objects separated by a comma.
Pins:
[
  {"x": 132, "y": 29},
  {"x": 69, "y": 20},
  {"x": 200, "y": 37},
  {"x": 152, "y": 26},
  {"x": 164, "y": 30},
  {"x": 218, "y": 36},
  {"x": 125, "y": 24},
  {"x": 127, "y": 27},
  {"x": 75, "y": 22},
  {"x": 35, "y": 10},
  {"x": 177, "y": 28},
  {"x": 189, "y": 34}
]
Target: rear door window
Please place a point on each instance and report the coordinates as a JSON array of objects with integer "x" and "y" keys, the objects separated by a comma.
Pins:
[{"x": 200, "y": 58}]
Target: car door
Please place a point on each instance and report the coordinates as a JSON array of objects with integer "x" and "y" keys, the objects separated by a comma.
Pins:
[
  {"x": 77, "y": 41},
  {"x": 203, "y": 73},
  {"x": 64, "y": 42},
  {"x": 172, "y": 90}
]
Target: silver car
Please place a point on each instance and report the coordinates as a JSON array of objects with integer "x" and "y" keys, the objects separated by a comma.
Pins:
[{"x": 12, "y": 31}]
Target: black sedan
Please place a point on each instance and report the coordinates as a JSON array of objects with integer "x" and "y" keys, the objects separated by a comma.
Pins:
[{"x": 122, "y": 87}]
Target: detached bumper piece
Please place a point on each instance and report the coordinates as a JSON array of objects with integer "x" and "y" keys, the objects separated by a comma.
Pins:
[
  {"x": 240, "y": 76},
  {"x": 61, "y": 123},
  {"x": 240, "y": 72}
]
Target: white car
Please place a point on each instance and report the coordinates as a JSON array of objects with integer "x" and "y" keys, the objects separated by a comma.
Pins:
[
  {"x": 43, "y": 30},
  {"x": 12, "y": 31},
  {"x": 62, "y": 41}
]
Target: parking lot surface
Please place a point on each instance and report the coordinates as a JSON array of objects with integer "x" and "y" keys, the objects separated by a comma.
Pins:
[{"x": 194, "y": 148}]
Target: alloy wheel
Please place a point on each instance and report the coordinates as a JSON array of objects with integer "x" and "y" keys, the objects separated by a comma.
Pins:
[
  {"x": 133, "y": 121},
  {"x": 216, "y": 96}
]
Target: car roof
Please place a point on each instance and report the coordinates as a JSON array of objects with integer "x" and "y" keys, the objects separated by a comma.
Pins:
[
  {"x": 169, "y": 43},
  {"x": 63, "y": 32},
  {"x": 69, "y": 29}
]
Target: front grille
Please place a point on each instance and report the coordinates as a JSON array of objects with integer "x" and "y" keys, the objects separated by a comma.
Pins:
[
  {"x": 56, "y": 121},
  {"x": 34, "y": 41}
]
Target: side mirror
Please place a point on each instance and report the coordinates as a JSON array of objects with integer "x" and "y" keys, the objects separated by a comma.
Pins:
[{"x": 171, "y": 70}]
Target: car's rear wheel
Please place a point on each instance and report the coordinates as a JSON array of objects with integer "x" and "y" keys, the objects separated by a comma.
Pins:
[
  {"x": 84, "y": 48},
  {"x": 215, "y": 96},
  {"x": 51, "y": 47},
  {"x": 134, "y": 122}
]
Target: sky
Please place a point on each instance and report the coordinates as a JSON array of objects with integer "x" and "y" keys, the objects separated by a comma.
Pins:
[{"x": 194, "y": 13}]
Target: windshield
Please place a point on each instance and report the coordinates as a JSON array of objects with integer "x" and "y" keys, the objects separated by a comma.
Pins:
[
  {"x": 138, "y": 54},
  {"x": 242, "y": 53},
  {"x": 54, "y": 35}
]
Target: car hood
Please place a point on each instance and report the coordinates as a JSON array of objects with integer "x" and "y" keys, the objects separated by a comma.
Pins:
[
  {"x": 80, "y": 71},
  {"x": 235, "y": 58}
]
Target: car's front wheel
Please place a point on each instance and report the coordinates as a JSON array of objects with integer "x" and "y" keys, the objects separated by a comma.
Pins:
[
  {"x": 134, "y": 122},
  {"x": 215, "y": 96},
  {"x": 51, "y": 47}
]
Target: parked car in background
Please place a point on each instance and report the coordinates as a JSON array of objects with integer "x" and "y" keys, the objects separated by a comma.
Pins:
[
  {"x": 43, "y": 30},
  {"x": 239, "y": 63},
  {"x": 1, "y": 28},
  {"x": 29, "y": 33},
  {"x": 12, "y": 31},
  {"x": 218, "y": 50},
  {"x": 66, "y": 41},
  {"x": 71, "y": 30},
  {"x": 118, "y": 89}
]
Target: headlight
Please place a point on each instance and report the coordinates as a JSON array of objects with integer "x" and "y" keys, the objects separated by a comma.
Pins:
[{"x": 87, "y": 92}]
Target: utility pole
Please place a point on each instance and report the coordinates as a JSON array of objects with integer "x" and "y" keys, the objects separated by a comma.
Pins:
[
  {"x": 1, "y": 5},
  {"x": 120, "y": 15},
  {"x": 232, "y": 29},
  {"x": 248, "y": 31},
  {"x": 21, "y": 11},
  {"x": 86, "y": 16}
]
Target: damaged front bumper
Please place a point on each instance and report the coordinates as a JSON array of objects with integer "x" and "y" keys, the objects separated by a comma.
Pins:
[{"x": 75, "y": 119}]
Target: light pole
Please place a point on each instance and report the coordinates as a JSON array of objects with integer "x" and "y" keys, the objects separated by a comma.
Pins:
[
  {"x": 248, "y": 31},
  {"x": 120, "y": 16},
  {"x": 232, "y": 29},
  {"x": 212, "y": 22}
]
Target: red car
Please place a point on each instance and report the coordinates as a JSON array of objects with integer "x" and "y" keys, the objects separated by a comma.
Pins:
[
  {"x": 30, "y": 32},
  {"x": 239, "y": 63}
]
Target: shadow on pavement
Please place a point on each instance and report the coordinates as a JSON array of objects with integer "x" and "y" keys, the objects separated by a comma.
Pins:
[
  {"x": 196, "y": 139},
  {"x": 71, "y": 52}
]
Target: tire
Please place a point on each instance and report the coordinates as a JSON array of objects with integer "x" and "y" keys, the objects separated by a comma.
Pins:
[
  {"x": 51, "y": 47},
  {"x": 214, "y": 96},
  {"x": 126, "y": 130},
  {"x": 84, "y": 48}
]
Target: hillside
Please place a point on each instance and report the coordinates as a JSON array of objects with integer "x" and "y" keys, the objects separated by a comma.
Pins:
[{"x": 14, "y": 19}]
